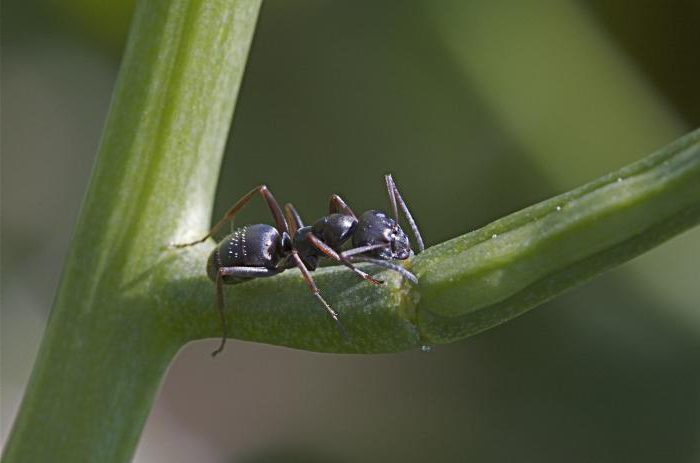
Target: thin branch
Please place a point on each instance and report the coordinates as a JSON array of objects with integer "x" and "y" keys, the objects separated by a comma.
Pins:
[{"x": 474, "y": 281}]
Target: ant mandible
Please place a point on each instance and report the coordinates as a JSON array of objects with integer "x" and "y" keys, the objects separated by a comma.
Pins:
[{"x": 260, "y": 250}]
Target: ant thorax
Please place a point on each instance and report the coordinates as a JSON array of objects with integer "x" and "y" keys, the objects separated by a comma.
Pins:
[
  {"x": 334, "y": 229},
  {"x": 308, "y": 253}
]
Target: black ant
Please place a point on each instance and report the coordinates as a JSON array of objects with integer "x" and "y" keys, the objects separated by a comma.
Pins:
[{"x": 260, "y": 250}]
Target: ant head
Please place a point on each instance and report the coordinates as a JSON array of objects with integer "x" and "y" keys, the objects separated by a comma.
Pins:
[
  {"x": 376, "y": 228},
  {"x": 400, "y": 247}
]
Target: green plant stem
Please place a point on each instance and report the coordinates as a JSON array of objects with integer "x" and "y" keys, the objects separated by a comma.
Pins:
[
  {"x": 477, "y": 280},
  {"x": 107, "y": 343},
  {"x": 486, "y": 277}
]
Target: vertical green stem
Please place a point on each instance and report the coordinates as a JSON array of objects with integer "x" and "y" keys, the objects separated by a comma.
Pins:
[{"x": 109, "y": 338}]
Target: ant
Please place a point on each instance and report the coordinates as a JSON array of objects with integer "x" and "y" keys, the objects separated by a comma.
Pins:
[{"x": 261, "y": 250}]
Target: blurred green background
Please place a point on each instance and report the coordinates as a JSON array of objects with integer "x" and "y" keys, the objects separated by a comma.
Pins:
[{"x": 478, "y": 108}]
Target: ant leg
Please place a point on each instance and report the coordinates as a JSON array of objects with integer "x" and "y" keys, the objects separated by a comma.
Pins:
[
  {"x": 388, "y": 265},
  {"x": 239, "y": 272},
  {"x": 337, "y": 205},
  {"x": 351, "y": 255},
  {"x": 331, "y": 253},
  {"x": 394, "y": 197},
  {"x": 361, "y": 249},
  {"x": 293, "y": 219},
  {"x": 230, "y": 214},
  {"x": 314, "y": 289},
  {"x": 220, "y": 308}
]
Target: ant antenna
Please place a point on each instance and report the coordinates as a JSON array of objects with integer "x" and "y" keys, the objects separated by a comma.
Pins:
[
  {"x": 390, "y": 187},
  {"x": 394, "y": 197}
]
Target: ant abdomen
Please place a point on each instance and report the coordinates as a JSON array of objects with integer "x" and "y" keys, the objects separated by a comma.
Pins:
[{"x": 249, "y": 246}]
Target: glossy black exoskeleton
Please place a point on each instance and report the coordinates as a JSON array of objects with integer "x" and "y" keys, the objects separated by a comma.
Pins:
[{"x": 255, "y": 251}]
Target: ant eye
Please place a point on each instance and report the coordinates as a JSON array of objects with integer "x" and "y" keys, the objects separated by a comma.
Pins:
[{"x": 389, "y": 235}]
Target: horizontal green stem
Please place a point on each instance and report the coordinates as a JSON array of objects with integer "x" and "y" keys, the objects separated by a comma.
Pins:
[
  {"x": 280, "y": 310},
  {"x": 486, "y": 277},
  {"x": 475, "y": 281}
]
